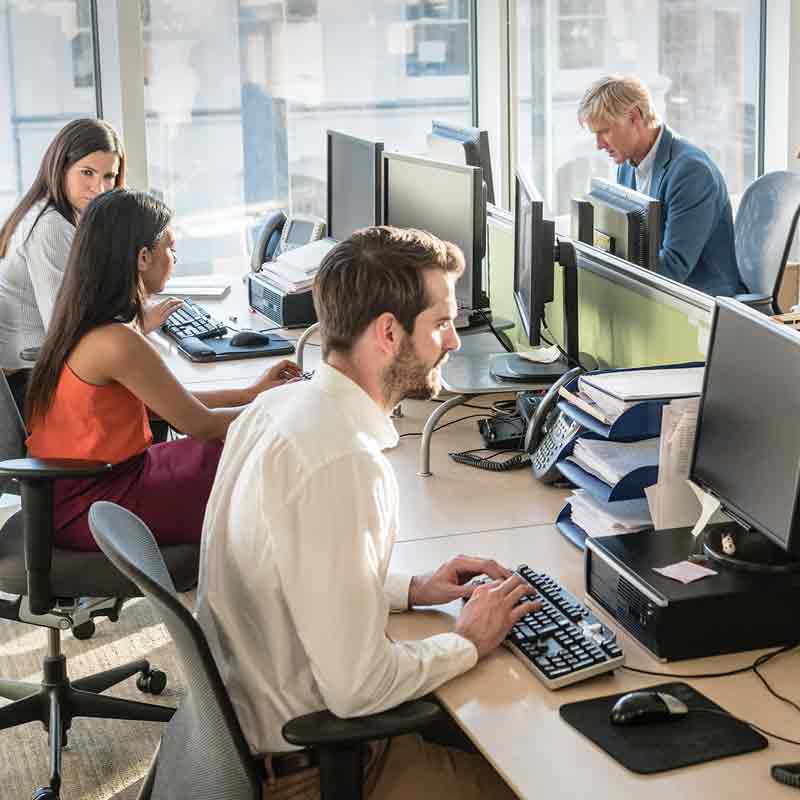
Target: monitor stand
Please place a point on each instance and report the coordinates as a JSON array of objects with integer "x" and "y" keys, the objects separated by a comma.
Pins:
[
  {"x": 512, "y": 367},
  {"x": 746, "y": 550}
]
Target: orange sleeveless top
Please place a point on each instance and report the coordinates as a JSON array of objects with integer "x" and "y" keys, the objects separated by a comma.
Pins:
[{"x": 106, "y": 423}]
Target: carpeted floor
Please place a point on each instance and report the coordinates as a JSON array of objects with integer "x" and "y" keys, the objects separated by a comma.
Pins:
[{"x": 106, "y": 758}]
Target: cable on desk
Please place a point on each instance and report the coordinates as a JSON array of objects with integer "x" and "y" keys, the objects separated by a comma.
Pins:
[
  {"x": 501, "y": 337},
  {"x": 723, "y": 713},
  {"x": 573, "y": 362},
  {"x": 439, "y": 427}
]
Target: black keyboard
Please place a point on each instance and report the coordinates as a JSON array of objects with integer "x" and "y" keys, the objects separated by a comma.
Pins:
[
  {"x": 563, "y": 642},
  {"x": 192, "y": 320}
]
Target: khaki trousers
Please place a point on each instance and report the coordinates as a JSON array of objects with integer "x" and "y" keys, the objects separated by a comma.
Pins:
[{"x": 409, "y": 767}]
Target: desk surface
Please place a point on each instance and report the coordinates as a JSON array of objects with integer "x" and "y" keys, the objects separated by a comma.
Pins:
[
  {"x": 514, "y": 720},
  {"x": 511, "y": 717}
]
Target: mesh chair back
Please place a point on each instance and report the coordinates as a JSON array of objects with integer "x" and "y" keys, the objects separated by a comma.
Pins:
[
  {"x": 764, "y": 230},
  {"x": 203, "y": 754},
  {"x": 12, "y": 429}
]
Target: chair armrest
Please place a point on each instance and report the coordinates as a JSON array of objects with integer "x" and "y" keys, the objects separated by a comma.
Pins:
[
  {"x": 322, "y": 729},
  {"x": 756, "y": 300},
  {"x": 36, "y": 478}
]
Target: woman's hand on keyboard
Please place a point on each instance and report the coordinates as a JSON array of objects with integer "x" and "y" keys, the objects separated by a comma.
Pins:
[
  {"x": 490, "y": 613},
  {"x": 284, "y": 371},
  {"x": 158, "y": 313}
]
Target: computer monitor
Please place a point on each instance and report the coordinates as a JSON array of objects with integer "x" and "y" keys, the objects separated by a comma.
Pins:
[
  {"x": 462, "y": 144},
  {"x": 449, "y": 201},
  {"x": 627, "y": 223},
  {"x": 354, "y": 184},
  {"x": 745, "y": 454},
  {"x": 535, "y": 252}
]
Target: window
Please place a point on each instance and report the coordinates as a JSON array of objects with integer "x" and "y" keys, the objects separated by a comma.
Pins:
[
  {"x": 581, "y": 33},
  {"x": 700, "y": 59},
  {"x": 46, "y": 79},
  {"x": 239, "y": 94}
]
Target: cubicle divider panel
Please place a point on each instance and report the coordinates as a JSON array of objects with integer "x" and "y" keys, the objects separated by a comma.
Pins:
[{"x": 627, "y": 317}]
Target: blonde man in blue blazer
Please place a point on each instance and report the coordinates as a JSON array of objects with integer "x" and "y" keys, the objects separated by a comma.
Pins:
[{"x": 697, "y": 240}]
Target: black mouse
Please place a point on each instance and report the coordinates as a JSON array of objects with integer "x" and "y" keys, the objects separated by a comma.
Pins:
[
  {"x": 249, "y": 339},
  {"x": 636, "y": 708}
]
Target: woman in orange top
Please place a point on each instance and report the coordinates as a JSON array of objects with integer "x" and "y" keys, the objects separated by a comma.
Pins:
[{"x": 97, "y": 375}]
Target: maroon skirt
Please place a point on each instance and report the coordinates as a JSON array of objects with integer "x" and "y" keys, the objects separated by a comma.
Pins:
[{"x": 167, "y": 486}]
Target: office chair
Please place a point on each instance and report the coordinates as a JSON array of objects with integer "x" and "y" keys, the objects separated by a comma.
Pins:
[
  {"x": 62, "y": 589},
  {"x": 203, "y": 753},
  {"x": 764, "y": 230}
]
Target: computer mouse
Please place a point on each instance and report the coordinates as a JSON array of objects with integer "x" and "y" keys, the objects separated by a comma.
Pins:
[
  {"x": 249, "y": 339},
  {"x": 636, "y": 708}
]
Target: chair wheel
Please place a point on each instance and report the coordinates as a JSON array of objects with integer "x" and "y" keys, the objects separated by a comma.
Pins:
[
  {"x": 113, "y": 614},
  {"x": 44, "y": 793},
  {"x": 85, "y": 630},
  {"x": 153, "y": 682}
]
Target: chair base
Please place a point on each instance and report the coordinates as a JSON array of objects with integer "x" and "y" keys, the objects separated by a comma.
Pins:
[{"x": 57, "y": 701}]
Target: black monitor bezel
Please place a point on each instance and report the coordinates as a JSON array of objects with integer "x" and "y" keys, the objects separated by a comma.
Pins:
[
  {"x": 376, "y": 156},
  {"x": 618, "y": 199},
  {"x": 792, "y": 542},
  {"x": 476, "y": 148},
  {"x": 480, "y": 294},
  {"x": 542, "y": 257}
]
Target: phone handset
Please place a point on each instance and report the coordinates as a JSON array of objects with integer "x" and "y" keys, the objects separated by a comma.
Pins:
[
  {"x": 546, "y": 445},
  {"x": 269, "y": 239}
]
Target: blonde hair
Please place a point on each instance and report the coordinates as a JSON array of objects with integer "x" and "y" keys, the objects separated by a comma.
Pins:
[{"x": 613, "y": 96}]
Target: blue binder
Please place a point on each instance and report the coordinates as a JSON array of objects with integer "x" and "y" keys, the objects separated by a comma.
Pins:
[
  {"x": 642, "y": 421},
  {"x": 629, "y": 487}
]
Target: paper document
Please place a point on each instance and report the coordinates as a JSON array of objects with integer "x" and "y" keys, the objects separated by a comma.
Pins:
[
  {"x": 672, "y": 502},
  {"x": 612, "y": 461},
  {"x": 684, "y": 571},
  {"x": 608, "y": 519},
  {"x": 585, "y": 403},
  {"x": 647, "y": 384},
  {"x": 212, "y": 287},
  {"x": 541, "y": 355},
  {"x": 305, "y": 259}
]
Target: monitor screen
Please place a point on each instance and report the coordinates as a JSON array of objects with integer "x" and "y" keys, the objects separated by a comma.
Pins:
[
  {"x": 747, "y": 450},
  {"x": 627, "y": 223},
  {"x": 462, "y": 144},
  {"x": 299, "y": 231},
  {"x": 446, "y": 200},
  {"x": 534, "y": 241},
  {"x": 354, "y": 184}
]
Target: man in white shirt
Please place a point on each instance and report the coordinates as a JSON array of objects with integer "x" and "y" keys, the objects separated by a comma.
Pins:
[{"x": 294, "y": 593}]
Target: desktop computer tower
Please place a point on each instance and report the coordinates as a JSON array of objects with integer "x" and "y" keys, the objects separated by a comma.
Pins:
[
  {"x": 729, "y": 612},
  {"x": 287, "y": 309}
]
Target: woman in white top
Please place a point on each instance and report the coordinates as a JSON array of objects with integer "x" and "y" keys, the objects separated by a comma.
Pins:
[{"x": 85, "y": 159}]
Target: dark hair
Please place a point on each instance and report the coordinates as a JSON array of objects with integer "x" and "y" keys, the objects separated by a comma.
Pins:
[
  {"x": 374, "y": 271},
  {"x": 101, "y": 281},
  {"x": 76, "y": 140}
]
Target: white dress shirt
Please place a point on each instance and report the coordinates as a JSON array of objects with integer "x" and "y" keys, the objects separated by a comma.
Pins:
[
  {"x": 644, "y": 170},
  {"x": 30, "y": 277},
  {"x": 294, "y": 594}
]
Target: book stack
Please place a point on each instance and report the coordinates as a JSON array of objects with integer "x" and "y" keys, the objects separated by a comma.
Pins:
[{"x": 616, "y": 458}]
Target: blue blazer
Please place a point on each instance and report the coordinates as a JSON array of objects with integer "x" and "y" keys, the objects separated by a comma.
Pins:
[{"x": 697, "y": 241}]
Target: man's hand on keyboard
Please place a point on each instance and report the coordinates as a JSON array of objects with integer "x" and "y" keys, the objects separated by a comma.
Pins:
[
  {"x": 156, "y": 314},
  {"x": 489, "y": 614},
  {"x": 451, "y": 580}
]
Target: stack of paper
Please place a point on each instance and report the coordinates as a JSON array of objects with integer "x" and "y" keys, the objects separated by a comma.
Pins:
[
  {"x": 610, "y": 394},
  {"x": 612, "y": 461},
  {"x": 608, "y": 519},
  {"x": 294, "y": 270}
]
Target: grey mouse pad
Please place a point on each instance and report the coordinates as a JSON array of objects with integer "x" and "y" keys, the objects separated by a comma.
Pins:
[{"x": 659, "y": 746}]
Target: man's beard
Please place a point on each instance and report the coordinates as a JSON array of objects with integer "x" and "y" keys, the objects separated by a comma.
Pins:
[{"x": 408, "y": 377}]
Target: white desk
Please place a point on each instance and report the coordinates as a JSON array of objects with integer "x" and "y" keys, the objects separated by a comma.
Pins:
[{"x": 514, "y": 720}]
